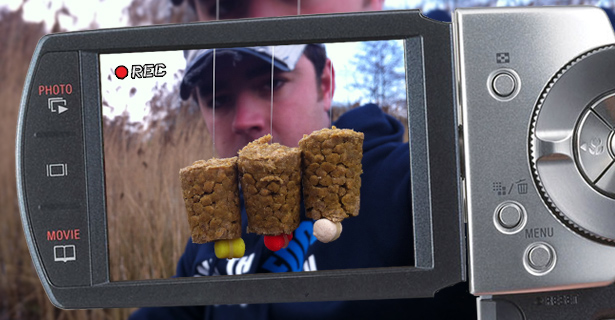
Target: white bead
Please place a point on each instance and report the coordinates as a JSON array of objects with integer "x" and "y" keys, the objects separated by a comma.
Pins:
[{"x": 326, "y": 230}]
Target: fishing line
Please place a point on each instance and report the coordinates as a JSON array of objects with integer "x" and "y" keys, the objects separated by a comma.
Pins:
[
  {"x": 214, "y": 87},
  {"x": 213, "y": 102},
  {"x": 272, "y": 71},
  {"x": 330, "y": 93}
]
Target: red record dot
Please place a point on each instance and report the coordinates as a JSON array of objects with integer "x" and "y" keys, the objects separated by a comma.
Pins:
[{"x": 121, "y": 72}]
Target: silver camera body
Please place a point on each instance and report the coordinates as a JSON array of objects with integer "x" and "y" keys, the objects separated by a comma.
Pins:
[{"x": 535, "y": 90}]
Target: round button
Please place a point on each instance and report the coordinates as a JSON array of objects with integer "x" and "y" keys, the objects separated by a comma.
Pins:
[
  {"x": 539, "y": 258},
  {"x": 612, "y": 145},
  {"x": 567, "y": 183},
  {"x": 607, "y": 181},
  {"x": 594, "y": 149},
  {"x": 504, "y": 84},
  {"x": 509, "y": 215}
]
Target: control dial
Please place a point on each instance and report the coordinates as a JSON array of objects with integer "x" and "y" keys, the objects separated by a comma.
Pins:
[{"x": 572, "y": 147}]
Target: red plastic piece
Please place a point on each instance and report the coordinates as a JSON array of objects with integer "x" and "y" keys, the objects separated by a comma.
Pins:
[{"x": 275, "y": 243}]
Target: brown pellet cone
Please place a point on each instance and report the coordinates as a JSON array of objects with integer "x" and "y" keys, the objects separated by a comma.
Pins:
[
  {"x": 270, "y": 177},
  {"x": 211, "y": 194},
  {"x": 332, "y": 173}
]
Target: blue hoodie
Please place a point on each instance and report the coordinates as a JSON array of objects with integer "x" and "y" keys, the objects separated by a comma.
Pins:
[{"x": 381, "y": 236}]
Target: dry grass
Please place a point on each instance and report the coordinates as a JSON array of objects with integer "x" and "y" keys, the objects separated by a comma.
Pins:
[
  {"x": 142, "y": 161},
  {"x": 148, "y": 227},
  {"x": 21, "y": 294}
]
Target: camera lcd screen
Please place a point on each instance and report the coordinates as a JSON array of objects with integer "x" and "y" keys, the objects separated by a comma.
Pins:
[{"x": 162, "y": 111}]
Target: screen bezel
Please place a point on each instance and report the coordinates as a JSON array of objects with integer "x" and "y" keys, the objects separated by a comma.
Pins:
[{"x": 439, "y": 235}]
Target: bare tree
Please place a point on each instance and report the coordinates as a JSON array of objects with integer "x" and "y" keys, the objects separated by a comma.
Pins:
[
  {"x": 146, "y": 12},
  {"x": 379, "y": 72}
]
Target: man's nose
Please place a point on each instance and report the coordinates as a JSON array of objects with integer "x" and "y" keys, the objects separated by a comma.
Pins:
[{"x": 252, "y": 115}]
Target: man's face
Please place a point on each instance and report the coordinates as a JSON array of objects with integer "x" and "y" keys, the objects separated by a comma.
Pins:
[
  {"x": 244, "y": 106},
  {"x": 236, "y": 9}
]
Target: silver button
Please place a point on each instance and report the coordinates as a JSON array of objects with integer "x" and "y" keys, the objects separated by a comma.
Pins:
[
  {"x": 592, "y": 146},
  {"x": 606, "y": 110},
  {"x": 509, "y": 215},
  {"x": 606, "y": 183},
  {"x": 539, "y": 258},
  {"x": 504, "y": 84}
]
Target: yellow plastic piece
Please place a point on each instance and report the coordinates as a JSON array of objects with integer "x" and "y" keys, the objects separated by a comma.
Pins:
[{"x": 229, "y": 249}]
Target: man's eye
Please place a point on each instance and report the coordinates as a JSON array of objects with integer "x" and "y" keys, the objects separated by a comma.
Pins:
[
  {"x": 228, "y": 9},
  {"x": 222, "y": 101},
  {"x": 277, "y": 84}
]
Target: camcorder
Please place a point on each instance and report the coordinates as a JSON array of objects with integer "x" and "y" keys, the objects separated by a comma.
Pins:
[{"x": 511, "y": 130}]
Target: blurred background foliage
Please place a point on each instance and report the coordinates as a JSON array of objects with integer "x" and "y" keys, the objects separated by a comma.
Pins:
[{"x": 21, "y": 294}]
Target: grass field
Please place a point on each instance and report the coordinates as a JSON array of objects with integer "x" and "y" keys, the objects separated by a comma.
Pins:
[
  {"x": 148, "y": 227},
  {"x": 133, "y": 158}
]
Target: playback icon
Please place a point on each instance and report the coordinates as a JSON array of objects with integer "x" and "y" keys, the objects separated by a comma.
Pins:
[{"x": 57, "y": 105}]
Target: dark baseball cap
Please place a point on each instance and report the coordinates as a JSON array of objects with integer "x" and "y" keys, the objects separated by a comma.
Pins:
[{"x": 197, "y": 61}]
